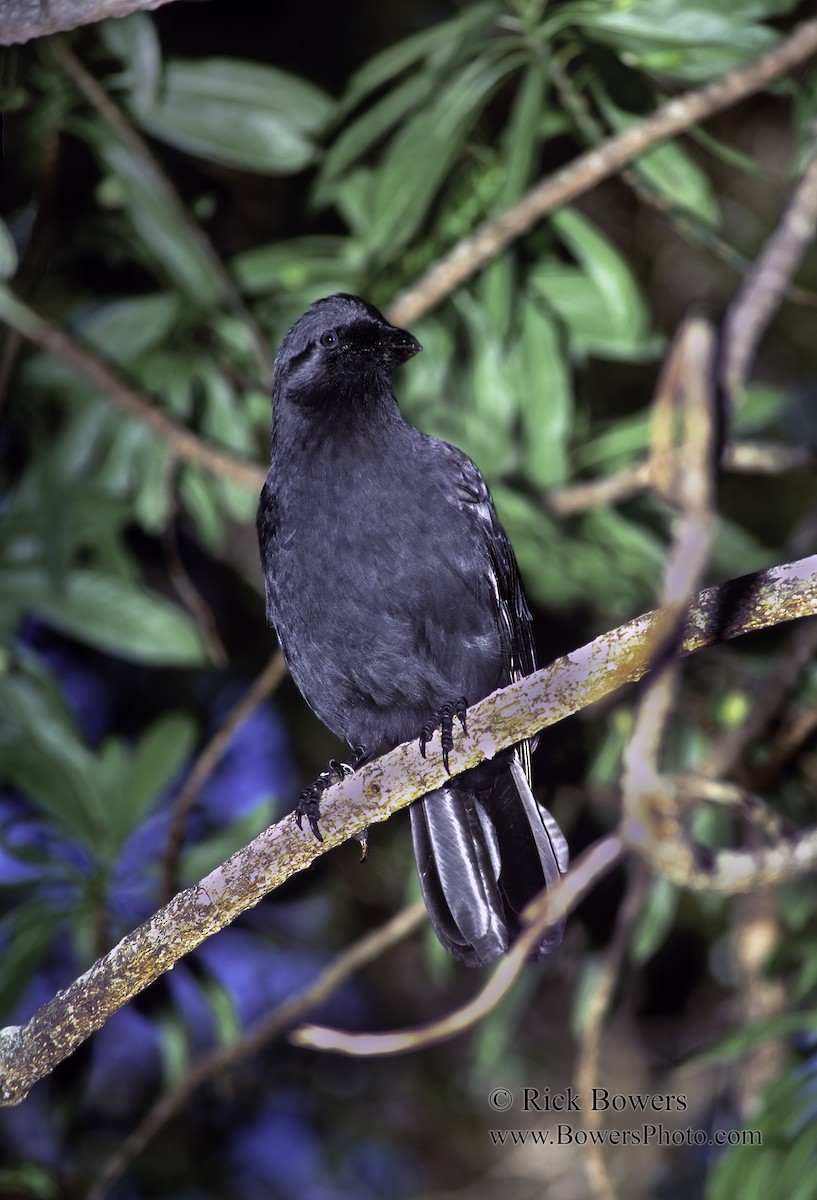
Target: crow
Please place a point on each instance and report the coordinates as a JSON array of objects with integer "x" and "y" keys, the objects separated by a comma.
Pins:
[{"x": 396, "y": 598}]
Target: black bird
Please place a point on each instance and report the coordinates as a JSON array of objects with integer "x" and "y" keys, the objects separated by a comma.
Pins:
[{"x": 396, "y": 598}]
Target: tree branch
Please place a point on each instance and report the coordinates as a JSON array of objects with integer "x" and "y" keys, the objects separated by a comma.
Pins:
[
  {"x": 277, "y": 1020},
  {"x": 112, "y": 114},
  {"x": 783, "y": 593},
  {"x": 474, "y": 251},
  {"x": 183, "y": 442},
  {"x": 23, "y": 20}
]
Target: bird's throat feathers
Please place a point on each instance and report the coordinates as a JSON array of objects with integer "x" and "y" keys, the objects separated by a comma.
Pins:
[{"x": 333, "y": 409}]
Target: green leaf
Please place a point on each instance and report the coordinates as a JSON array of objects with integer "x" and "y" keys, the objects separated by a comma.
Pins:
[
  {"x": 375, "y": 122},
  {"x": 522, "y": 134},
  {"x": 421, "y": 153},
  {"x": 134, "y": 40},
  {"x": 683, "y": 39},
  {"x": 546, "y": 410},
  {"x": 123, "y": 330},
  {"x": 655, "y": 919},
  {"x": 32, "y": 1179},
  {"x": 27, "y": 933},
  {"x": 146, "y": 773},
  {"x": 296, "y": 263},
  {"x": 200, "y": 498},
  {"x": 442, "y": 42},
  {"x": 239, "y": 113},
  {"x": 735, "y": 1044},
  {"x": 625, "y": 311},
  {"x": 670, "y": 169},
  {"x": 111, "y": 613},
  {"x": 44, "y": 757},
  {"x": 8, "y": 253},
  {"x": 172, "y": 251}
]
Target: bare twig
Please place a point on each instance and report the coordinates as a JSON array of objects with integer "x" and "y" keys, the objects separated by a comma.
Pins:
[
  {"x": 262, "y": 687},
  {"x": 186, "y": 590},
  {"x": 790, "y": 740},
  {"x": 686, "y": 396},
  {"x": 548, "y": 907},
  {"x": 761, "y": 292},
  {"x": 728, "y": 750},
  {"x": 279, "y": 1019},
  {"x": 742, "y": 458},
  {"x": 184, "y": 444},
  {"x": 474, "y": 251},
  {"x": 30, "y": 1051},
  {"x": 598, "y": 1004},
  {"x": 160, "y": 183}
]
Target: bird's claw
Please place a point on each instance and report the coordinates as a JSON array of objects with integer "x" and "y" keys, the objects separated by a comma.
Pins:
[
  {"x": 309, "y": 801},
  {"x": 443, "y": 720}
]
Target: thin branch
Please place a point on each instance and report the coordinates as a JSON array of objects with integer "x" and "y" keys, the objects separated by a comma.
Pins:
[
  {"x": 598, "y": 1004},
  {"x": 277, "y": 1020},
  {"x": 683, "y": 221},
  {"x": 474, "y": 251},
  {"x": 761, "y": 292},
  {"x": 740, "y": 457},
  {"x": 184, "y": 444},
  {"x": 728, "y": 750},
  {"x": 799, "y": 729},
  {"x": 93, "y": 91},
  {"x": 784, "y": 593},
  {"x": 550, "y": 906},
  {"x": 262, "y": 687},
  {"x": 685, "y": 397}
]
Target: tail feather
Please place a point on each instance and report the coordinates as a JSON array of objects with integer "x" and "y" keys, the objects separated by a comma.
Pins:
[{"x": 481, "y": 858}]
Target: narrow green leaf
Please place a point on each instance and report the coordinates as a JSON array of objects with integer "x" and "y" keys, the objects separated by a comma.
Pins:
[
  {"x": 239, "y": 113},
  {"x": 44, "y": 756},
  {"x": 442, "y": 41},
  {"x": 522, "y": 133},
  {"x": 421, "y": 153},
  {"x": 670, "y": 169},
  {"x": 123, "y": 330},
  {"x": 146, "y": 773},
  {"x": 655, "y": 919},
  {"x": 8, "y": 252},
  {"x": 374, "y": 123},
  {"x": 546, "y": 410},
  {"x": 609, "y": 271},
  {"x": 134, "y": 40}
]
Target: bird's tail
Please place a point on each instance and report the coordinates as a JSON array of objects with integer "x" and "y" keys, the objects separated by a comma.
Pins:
[{"x": 482, "y": 856}]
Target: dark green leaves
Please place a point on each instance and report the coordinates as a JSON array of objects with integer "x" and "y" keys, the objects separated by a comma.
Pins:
[{"x": 241, "y": 114}]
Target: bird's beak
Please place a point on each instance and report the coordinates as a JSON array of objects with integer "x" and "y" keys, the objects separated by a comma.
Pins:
[{"x": 397, "y": 345}]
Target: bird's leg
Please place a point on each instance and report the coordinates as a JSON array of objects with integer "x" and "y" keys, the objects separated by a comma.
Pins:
[
  {"x": 443, "y": 720},
  {"x": 309, "y": 801}
]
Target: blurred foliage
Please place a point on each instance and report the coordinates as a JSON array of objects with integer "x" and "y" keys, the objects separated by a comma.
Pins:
[{"x": 541, "y": 368}]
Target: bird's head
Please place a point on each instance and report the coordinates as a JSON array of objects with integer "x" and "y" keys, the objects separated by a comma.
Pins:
[{"x": 340, "y": 347}]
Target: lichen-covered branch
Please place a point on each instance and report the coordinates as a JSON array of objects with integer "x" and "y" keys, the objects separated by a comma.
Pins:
[{"x": 783, "y": 593}]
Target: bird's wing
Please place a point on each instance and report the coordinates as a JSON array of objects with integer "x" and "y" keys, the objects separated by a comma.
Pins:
[{"x": 514, "y": 620}]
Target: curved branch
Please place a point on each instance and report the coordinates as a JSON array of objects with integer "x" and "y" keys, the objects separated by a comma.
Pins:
[{"x": 31, "y": 1051}]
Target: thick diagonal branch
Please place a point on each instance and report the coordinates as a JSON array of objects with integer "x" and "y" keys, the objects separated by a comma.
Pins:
[{"x": 31, "y": 1051}]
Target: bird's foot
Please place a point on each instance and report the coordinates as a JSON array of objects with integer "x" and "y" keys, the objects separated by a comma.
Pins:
[
  {"x": 443, "y": 720},
  {"x": 309, "y": 801}
]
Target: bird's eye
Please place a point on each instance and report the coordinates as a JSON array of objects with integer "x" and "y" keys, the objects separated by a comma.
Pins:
[{"x": 329, "y": 339}]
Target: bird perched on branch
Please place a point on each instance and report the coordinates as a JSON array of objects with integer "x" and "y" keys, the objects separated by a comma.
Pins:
[{"x": 396, "y": 598}]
